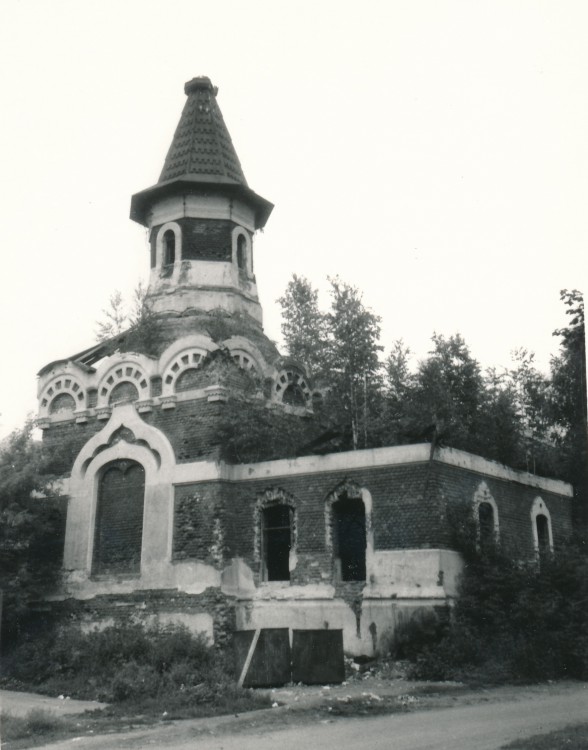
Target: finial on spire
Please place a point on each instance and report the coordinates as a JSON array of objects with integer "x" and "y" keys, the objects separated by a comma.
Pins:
[{"x": 198, "y": 84}]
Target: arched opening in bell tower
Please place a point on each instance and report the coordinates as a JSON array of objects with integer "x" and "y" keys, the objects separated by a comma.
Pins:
[
  {"x": 169, "y": 248},
  {"x": 242, "y": 252}
]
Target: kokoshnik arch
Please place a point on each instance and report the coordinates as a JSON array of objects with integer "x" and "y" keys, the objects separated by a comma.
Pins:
[{"x": 160, "y": 523}]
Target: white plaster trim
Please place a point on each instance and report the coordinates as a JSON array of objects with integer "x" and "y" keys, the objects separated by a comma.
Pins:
[
  {"x": 195, "y": 341},
  {"x": 236, "y": 233},
  {"x": 69, "y": 369},
  {"x": 83, "y": 489},
  {"x": 469, "y": 461},
  {"x": 195, "y": 356},
  {"x": 51, "y": 384},
  {"x": 177, "y": 230},
  {"x": 539, "y": 508},
  {"x": 138, "y": 362},
  {"x": 125, "y": 415},
  {"x": 238, "y": 344},
  {"x": 363, "y": 459}
]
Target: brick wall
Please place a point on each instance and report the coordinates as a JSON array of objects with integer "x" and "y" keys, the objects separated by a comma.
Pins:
[
  {"x": 409, "y": 511},
  {"x": 513, "y": 500}
]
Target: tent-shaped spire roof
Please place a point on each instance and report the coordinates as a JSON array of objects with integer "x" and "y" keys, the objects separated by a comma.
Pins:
[
  {"x": 202, "y": 144},
  {"x": 201, "y": 157}
]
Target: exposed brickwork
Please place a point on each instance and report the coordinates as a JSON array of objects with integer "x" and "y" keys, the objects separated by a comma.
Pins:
[
  {"x": 141, "y": 605},
  {"x": 64, "y": 440},
  {"x": 402, "y": 517},
  {"x": 199, "y": 520},
  {"x": 514, "y": 502},
  {"x": 409, "y": 512}
]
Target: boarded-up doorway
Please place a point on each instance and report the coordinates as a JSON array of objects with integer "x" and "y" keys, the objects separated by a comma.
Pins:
[{"x": 119, "y": 518}]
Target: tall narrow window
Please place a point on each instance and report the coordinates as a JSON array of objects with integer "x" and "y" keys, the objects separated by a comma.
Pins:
[
  {"x": 486, "y": 524},
  {"x": 169, "y": 248},
  {"x": 276, "y": 528},
  {"x": 119, "y": 518},
  {"x": 349, "y": 538},
  {"x": 242, "y": 252},
  {"x": 542, "y": 524}
]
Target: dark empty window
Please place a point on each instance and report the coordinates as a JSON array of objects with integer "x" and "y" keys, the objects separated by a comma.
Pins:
[
  {"x": 119, "y": 518},
  {"x": 294, "y": 395},
  {"x": 276, "y": 530},
  {"x": 486, "y": 523},
  {"x": 242, "y": 252},
  {"x": 349, "y": 538},
  {"x": 169, "y": 248},
  {"x": 543, "y": 545}
]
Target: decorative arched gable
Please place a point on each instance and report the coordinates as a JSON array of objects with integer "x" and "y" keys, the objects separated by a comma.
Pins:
[
  {"x": 188, "y": 353},
  {"x": 132, "y": 369},
  {"x": 291, "y": 388},
  {"x": 126, "y": 437},
  {"x": 54, "y": 391},
  {"x": 247, "y": 356}
]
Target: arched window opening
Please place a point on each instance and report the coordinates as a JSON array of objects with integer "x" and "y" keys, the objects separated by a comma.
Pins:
[
  {"x": 242, "y": 252},
  {"x": 191, "y": 379},
  {"x": 542, "y": 525},
  {"x": 62, "y": 403},
  {"x": 119, "y": 518},
  {"x": 349, "y": 538},
  {"x": 123, "y": 392},
  {"x": 486, "y": 524},
  {"x": 169, "y": 248},
  {"x": 294, "y": 395},
  {"x": 276, "y": 542}
]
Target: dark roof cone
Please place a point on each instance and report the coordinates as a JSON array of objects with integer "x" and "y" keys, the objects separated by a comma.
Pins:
[{"x": 202, "y": 145}]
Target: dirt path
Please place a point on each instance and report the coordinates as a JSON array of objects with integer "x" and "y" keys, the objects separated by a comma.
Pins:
[
  {"x": 498, "y": 717},
  {"x": 19, "y": 704}
]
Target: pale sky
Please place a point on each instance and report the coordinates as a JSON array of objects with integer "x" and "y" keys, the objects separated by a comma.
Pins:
[{"x": 433, "y": 153}]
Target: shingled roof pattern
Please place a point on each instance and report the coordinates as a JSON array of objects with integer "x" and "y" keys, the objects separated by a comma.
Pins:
[{"x": 201, "y": 143}]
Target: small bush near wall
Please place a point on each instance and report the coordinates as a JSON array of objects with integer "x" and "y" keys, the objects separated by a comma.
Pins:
[
  {"x": 131, "y": 664},
  {"x": 513, "y": 620}
]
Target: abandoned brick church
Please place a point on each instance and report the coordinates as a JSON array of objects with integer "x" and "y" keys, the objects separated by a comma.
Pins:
[{"x": 161, "y": 525}]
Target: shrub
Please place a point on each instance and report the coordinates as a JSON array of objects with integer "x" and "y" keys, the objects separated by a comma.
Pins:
[
  {"x": 124, "y": 662},
  {"x": 514, "y": 620}
]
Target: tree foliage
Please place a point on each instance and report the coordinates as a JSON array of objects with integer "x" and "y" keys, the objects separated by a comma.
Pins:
[
  {"x": 519, "y": 416},
  {"x": 569, "y": 408},
  {"x": 513, "y": 620},
  {"x": 304, "y": 326},
  {"x": 31, "y": 528},
  {"x": 135, "y": 323},
  {"x": 340, "y": 349}
]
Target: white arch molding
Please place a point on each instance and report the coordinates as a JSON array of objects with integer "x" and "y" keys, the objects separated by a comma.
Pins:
[
  {"x": 153, "y": 451},
  {"x": 177, "y": 230}
]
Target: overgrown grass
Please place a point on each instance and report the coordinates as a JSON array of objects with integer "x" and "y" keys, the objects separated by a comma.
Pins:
[
  {"x": 570, "y": 738},
  {"x": 154, "y": 669},
  {"x": 36, "y": 723}
]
